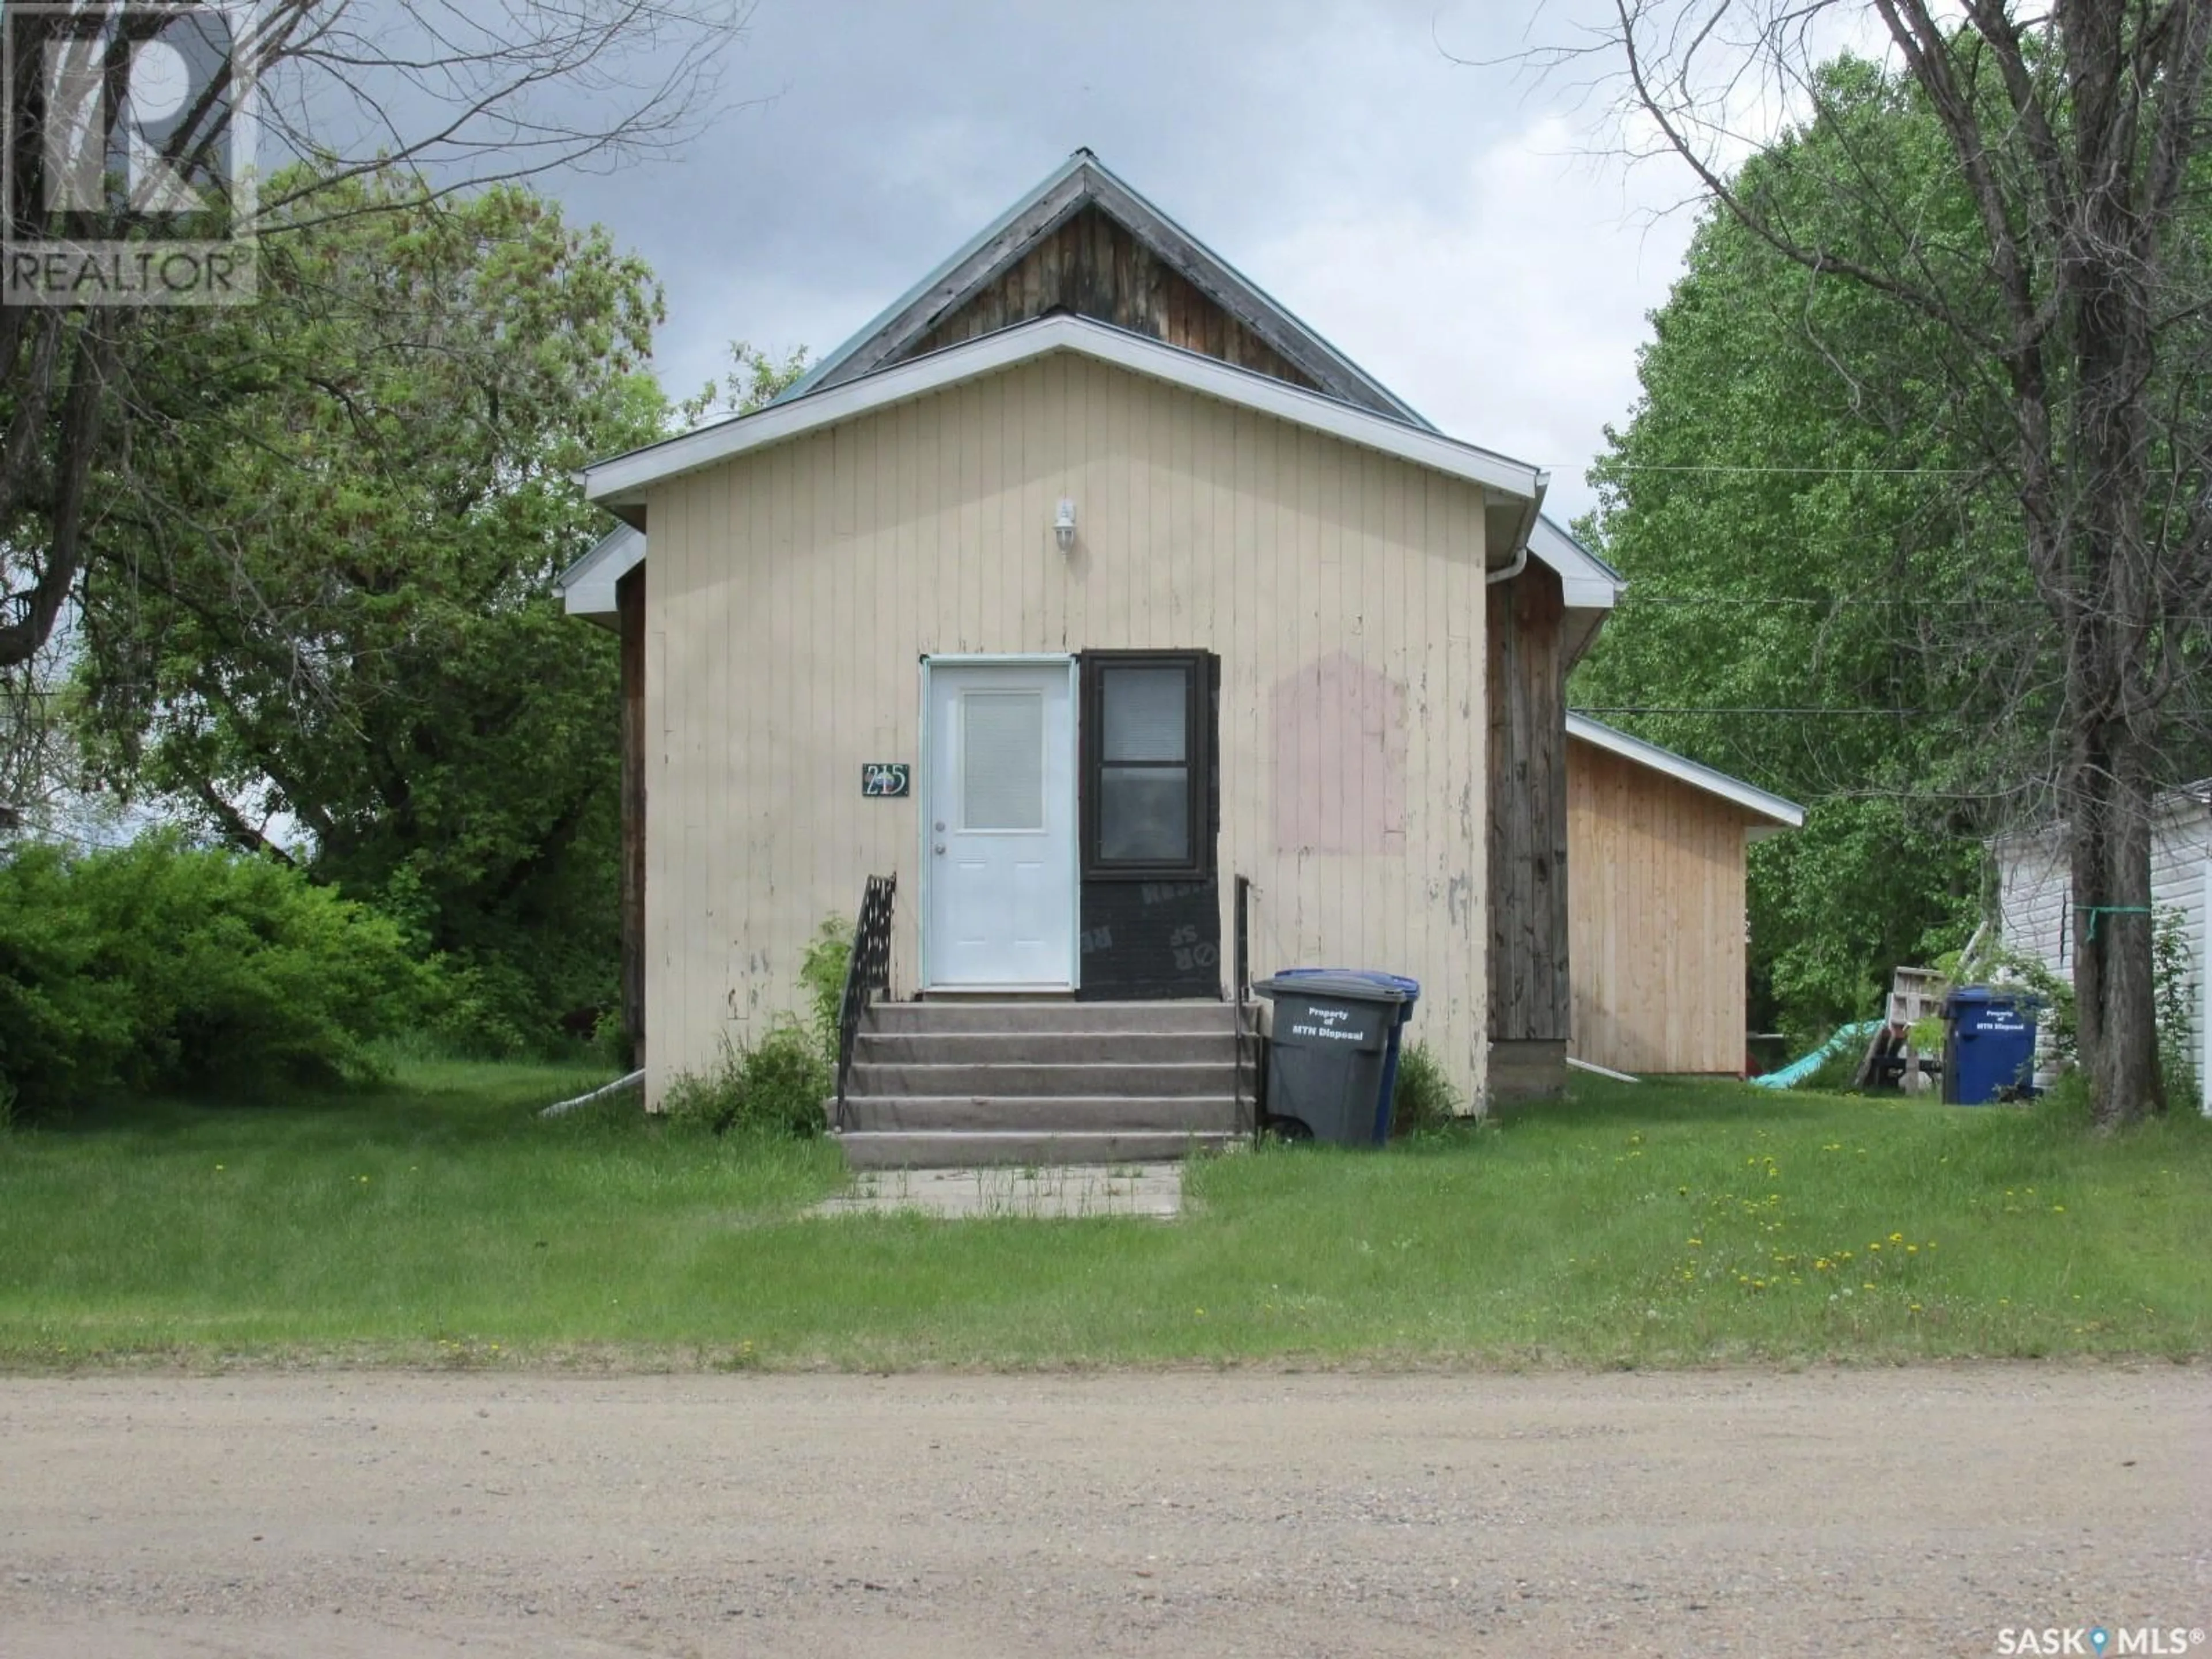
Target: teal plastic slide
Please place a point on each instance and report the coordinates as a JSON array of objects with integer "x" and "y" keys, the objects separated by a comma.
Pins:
[{"x": 1798, "y": 1070}]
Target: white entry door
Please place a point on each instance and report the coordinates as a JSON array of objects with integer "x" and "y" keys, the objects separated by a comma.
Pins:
[{"x": 999, "y": 818}]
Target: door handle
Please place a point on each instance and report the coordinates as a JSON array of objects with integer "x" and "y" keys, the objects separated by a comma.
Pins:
[{"x": 941, "y": 846}]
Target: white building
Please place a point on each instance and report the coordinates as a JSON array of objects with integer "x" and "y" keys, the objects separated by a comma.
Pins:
[{"x": 2037, "y": 917}]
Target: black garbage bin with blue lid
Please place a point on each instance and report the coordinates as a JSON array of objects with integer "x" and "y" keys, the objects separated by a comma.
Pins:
[
  {"x": 1988, "y": 1045},
  {"x": 1333, "y": 1059}
]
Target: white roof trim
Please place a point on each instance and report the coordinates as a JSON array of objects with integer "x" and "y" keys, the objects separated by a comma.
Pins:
[
  {"x": 1587, "y": 582},
  {"x": 588, "y": 587},
  {"x": 621, "y": 478},
  {"x": 1747, "y": 796}
]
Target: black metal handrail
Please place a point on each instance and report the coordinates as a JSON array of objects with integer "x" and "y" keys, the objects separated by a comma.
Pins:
[
  {"x": 1242, "y": 968},
  {"x": 867, "y": 970}
]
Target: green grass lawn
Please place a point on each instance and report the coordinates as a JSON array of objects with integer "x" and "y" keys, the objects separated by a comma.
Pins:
[{"x": 439, "y": 1220}]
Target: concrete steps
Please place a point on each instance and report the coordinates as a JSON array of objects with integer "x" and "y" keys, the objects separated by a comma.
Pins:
[
  {"x": 947, "y": 1083},
  {"x": 1050, "y": 1047},
  {"x": 1021, "y": 1079},
  {"x": 1058, "y": 1114},
  {"x": 935, "y": 1149},
  {"x": 1051, "y": 1015}
]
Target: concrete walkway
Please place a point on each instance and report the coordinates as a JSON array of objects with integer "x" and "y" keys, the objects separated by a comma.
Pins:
[{"x": 1040, "y": 1194}]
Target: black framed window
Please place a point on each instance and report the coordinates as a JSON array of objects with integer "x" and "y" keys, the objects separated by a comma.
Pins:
[{"x": 1147, "y": 737}]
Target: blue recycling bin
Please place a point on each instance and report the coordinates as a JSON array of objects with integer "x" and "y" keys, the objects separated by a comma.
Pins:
[
  {"x": 1389, "y": 999},
  {"x": 1988, "y": 1045}
]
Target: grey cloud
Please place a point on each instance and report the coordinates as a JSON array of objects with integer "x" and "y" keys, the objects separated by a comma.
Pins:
[{"x": 1324, "y": 148}]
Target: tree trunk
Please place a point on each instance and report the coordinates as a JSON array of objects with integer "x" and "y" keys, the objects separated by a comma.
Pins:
[{"x": 2108, "y": 829}]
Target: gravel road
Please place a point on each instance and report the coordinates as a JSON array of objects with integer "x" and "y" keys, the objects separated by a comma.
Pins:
[{"x": 380, "y": 1514}]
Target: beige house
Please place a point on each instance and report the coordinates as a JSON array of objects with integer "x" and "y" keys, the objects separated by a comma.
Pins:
[{"x": 1105, "y": 606}]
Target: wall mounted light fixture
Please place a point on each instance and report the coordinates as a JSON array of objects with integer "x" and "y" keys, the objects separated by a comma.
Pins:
[{"x": 1063, "y": 525}]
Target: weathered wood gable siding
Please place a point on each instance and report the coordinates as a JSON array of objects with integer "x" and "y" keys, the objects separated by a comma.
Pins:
[
  {"x": 794, "y": 592},
  {"x": 1530, "y": 993},
  {"x": 1092, "y": 267},
  {"x": 1656, "y": 918},
  {"x": 2035, "y": 914}
]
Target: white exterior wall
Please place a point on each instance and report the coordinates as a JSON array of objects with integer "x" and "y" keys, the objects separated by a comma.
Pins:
[{"x": 2035, "y": 904}]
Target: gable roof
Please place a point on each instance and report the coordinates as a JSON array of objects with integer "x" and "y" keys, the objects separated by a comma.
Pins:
[
  {"x": 620, "y": 483},
  {"x": 1777, "y": 812},
  {"x": 1587, "y": 582},
  {"x": 1588, "y": 587},
  {"x": 1083, "y": 181},
  {"x": 586, "y": 588}
]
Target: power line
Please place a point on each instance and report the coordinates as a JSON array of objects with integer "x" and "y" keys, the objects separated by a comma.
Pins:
[
  {"x": 1631, "y": 596},
  {"x": 1689, "y": 709},
  {"x": 1797, "y": 471}
]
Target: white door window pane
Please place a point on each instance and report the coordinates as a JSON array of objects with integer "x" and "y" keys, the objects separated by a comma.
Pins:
[
  {"x": 1002, "y": 760},
  {"x": 1143, "y": 814},
  {"x": 1148, "y": 713}
]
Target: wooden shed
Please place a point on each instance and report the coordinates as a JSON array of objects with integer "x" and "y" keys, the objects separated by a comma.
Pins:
[{"x": 1657, "y": 848}]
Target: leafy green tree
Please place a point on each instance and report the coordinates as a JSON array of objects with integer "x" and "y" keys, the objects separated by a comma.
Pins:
[
  {"x": 1785, "y": 533},
  {"x": 320, "y": 611},
  {"x": 470, "y": 95},
  {"x": 2054, "y": 279}
]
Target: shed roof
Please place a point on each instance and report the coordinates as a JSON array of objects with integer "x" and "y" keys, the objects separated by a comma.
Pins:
[
  {"x": 1777, "y": 811},
  {"x": 1082, "y": 180}
]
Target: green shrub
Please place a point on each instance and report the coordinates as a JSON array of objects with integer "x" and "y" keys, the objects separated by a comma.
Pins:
[
  {"x": 484, "y": 1009},
  {"x": 611, "y": 1044},
  {"x": 1837, "y": 1072},
  {"x": 775, "y": 1088},
  {"x": 1422, "y": 1097},
  {"x": 2175, "y": 1001},
  {"x": 822, "y": 971},
  {"x": 161, "y": 966}
]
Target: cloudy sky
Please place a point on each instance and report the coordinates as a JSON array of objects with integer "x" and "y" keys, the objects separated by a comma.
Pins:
[{"x": 1456, "y": 230}]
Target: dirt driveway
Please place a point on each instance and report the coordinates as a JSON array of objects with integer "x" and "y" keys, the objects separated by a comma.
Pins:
[{"x": 1884, "y": 1511}]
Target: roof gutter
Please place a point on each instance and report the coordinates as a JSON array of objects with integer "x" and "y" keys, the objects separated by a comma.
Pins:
[{"x": 1520, "y": 561}]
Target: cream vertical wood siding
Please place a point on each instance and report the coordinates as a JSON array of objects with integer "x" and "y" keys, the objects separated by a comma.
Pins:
[
  {"x": 1655, "y": 919},
  {"x": 794, "y": 592}
]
